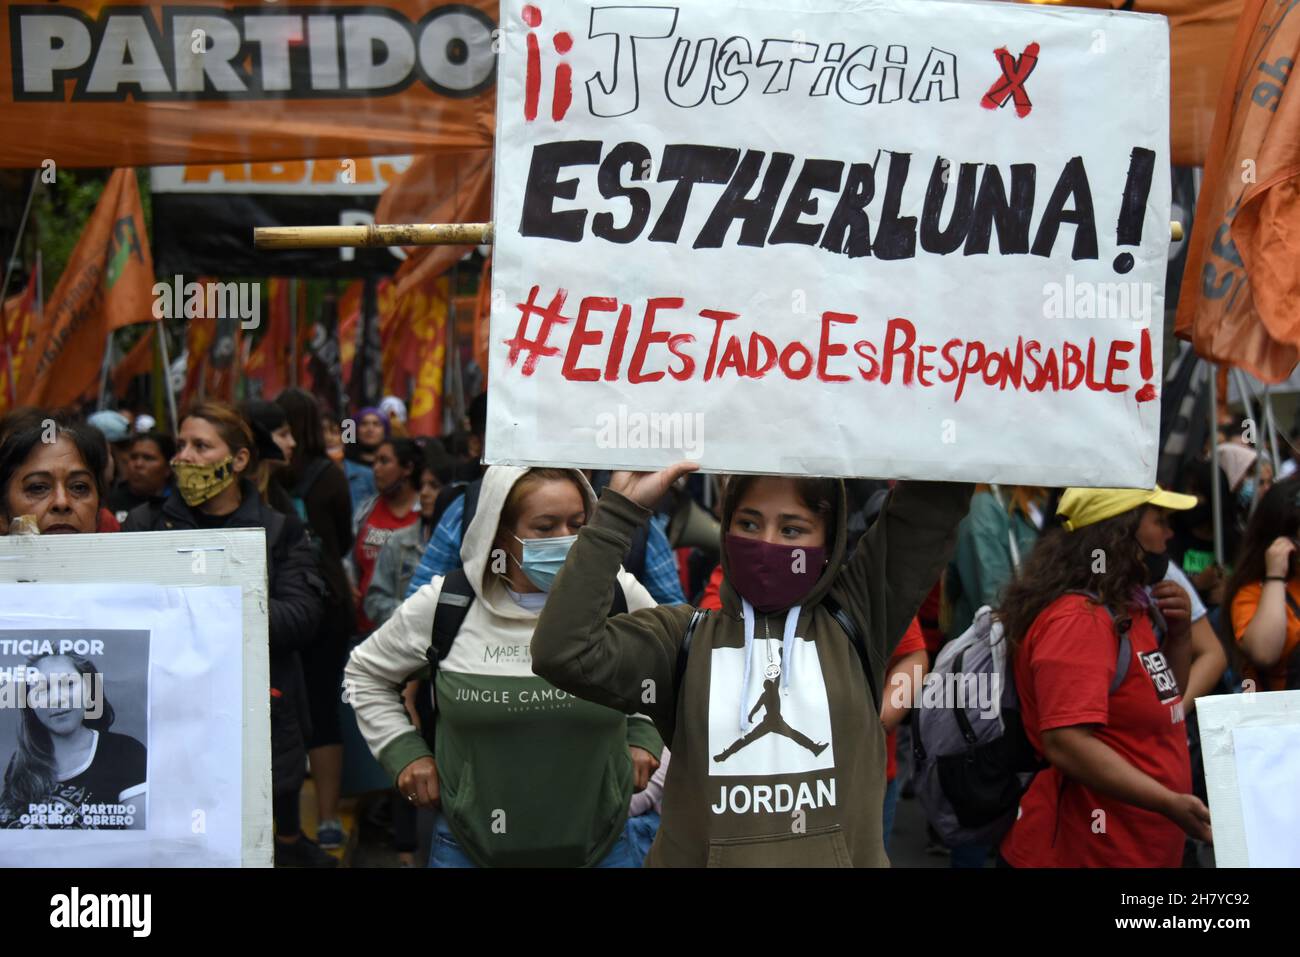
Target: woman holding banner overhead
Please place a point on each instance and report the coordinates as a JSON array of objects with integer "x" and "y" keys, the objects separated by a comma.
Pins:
[{"x": 770, "y": 704}]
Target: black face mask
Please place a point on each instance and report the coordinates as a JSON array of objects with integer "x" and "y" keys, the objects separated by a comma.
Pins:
[{"x": 1157, "y": 565}]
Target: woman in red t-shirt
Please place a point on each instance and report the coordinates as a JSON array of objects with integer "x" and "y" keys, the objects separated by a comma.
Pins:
[
  {"x": 397, "y": 476},
  {"x": 1116, "y": 791}
]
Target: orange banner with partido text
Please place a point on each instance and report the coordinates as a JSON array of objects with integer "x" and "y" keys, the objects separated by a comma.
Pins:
[{"x": 91, "y": 83}]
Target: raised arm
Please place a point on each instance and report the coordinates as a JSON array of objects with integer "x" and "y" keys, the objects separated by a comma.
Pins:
[
  {"x": 1264, "y": 636},
  {"x": 625, "y": 662}
]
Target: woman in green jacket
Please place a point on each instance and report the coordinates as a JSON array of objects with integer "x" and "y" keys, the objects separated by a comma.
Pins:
[
  {"x": 524, "y": 774},
  {"x": 778, "y": 750}
]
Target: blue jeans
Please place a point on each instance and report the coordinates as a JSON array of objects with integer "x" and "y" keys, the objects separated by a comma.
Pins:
[
  {"x": 447, "y": 852},
  {"x": 891, "y": 804},
  {"x": 641, "y": 831}
]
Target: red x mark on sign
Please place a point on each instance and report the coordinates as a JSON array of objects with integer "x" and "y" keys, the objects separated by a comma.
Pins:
[{"x": 1015, "y": 70}]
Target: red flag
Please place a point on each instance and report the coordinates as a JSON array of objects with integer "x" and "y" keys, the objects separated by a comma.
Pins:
[
  {"x": 269, "y": 362},
  {"x": 198, "y": 341},
  {"x": 108, "y": 283},
  {"x": 349, "y": 319},
  {"x": 414, "y": 334}
]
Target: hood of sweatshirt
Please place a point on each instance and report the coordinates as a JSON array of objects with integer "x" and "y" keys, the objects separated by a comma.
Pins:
[
  {"x": 480, "y": 538},
  {"x": 836, "y": 537}
]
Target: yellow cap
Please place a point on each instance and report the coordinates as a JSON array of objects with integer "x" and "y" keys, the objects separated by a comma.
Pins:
[{"x": 1086, "y": 506}]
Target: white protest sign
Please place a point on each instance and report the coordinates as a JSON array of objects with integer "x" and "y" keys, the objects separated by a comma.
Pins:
[
  {"x": 1249, "y": 743},
  {"x": 161, "y": 740},
  {"x": 920, "y": 240}
]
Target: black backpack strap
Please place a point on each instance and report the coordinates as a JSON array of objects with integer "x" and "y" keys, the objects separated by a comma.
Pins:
[
  {"x": 855, "y": 639},
  {"x": 619, "y": 605},
  {"x": 963, "y": 722},
  {"x": 684, "y": 650},
  {"x": 634, "y": 561},
  {"x": 472, "y": 492},
  {"x": 1125, "y": 653},
  {"x": 831, "y": 605},
  {"x": 453, "y": 605}
]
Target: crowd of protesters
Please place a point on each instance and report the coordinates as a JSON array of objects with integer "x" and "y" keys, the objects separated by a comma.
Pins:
[{"x": 519, "y": 649}]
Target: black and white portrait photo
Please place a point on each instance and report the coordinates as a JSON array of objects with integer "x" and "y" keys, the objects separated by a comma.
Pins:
[{"x": 74, "y": 729}]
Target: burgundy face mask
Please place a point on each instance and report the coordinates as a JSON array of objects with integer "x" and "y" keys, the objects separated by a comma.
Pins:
[{"x": 772, "y": 577}]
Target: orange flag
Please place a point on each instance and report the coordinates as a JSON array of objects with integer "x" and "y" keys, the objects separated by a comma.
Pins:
[
  {"x": 138, "y": 361},
  {"x": 437, "y": 188},
  {"x": 17, "y": 319},
  {"x": 107, "y": 284},
  {"x": 1240, "y": 298}
]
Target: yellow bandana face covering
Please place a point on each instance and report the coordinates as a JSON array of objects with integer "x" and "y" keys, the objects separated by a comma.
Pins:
[{"x": 200, "y": 483}]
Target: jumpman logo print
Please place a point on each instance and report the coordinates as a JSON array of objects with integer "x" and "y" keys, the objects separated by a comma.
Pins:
[{"x": 770, "y": 701}]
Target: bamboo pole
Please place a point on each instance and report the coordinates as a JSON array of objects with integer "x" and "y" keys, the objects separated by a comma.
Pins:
[{"x": 408, "y": 234}]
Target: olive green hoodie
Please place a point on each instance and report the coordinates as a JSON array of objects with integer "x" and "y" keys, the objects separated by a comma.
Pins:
[{"x": 803, "y": 785}]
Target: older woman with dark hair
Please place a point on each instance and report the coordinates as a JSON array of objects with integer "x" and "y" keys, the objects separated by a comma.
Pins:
[{"x": 51, "y": 474}]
